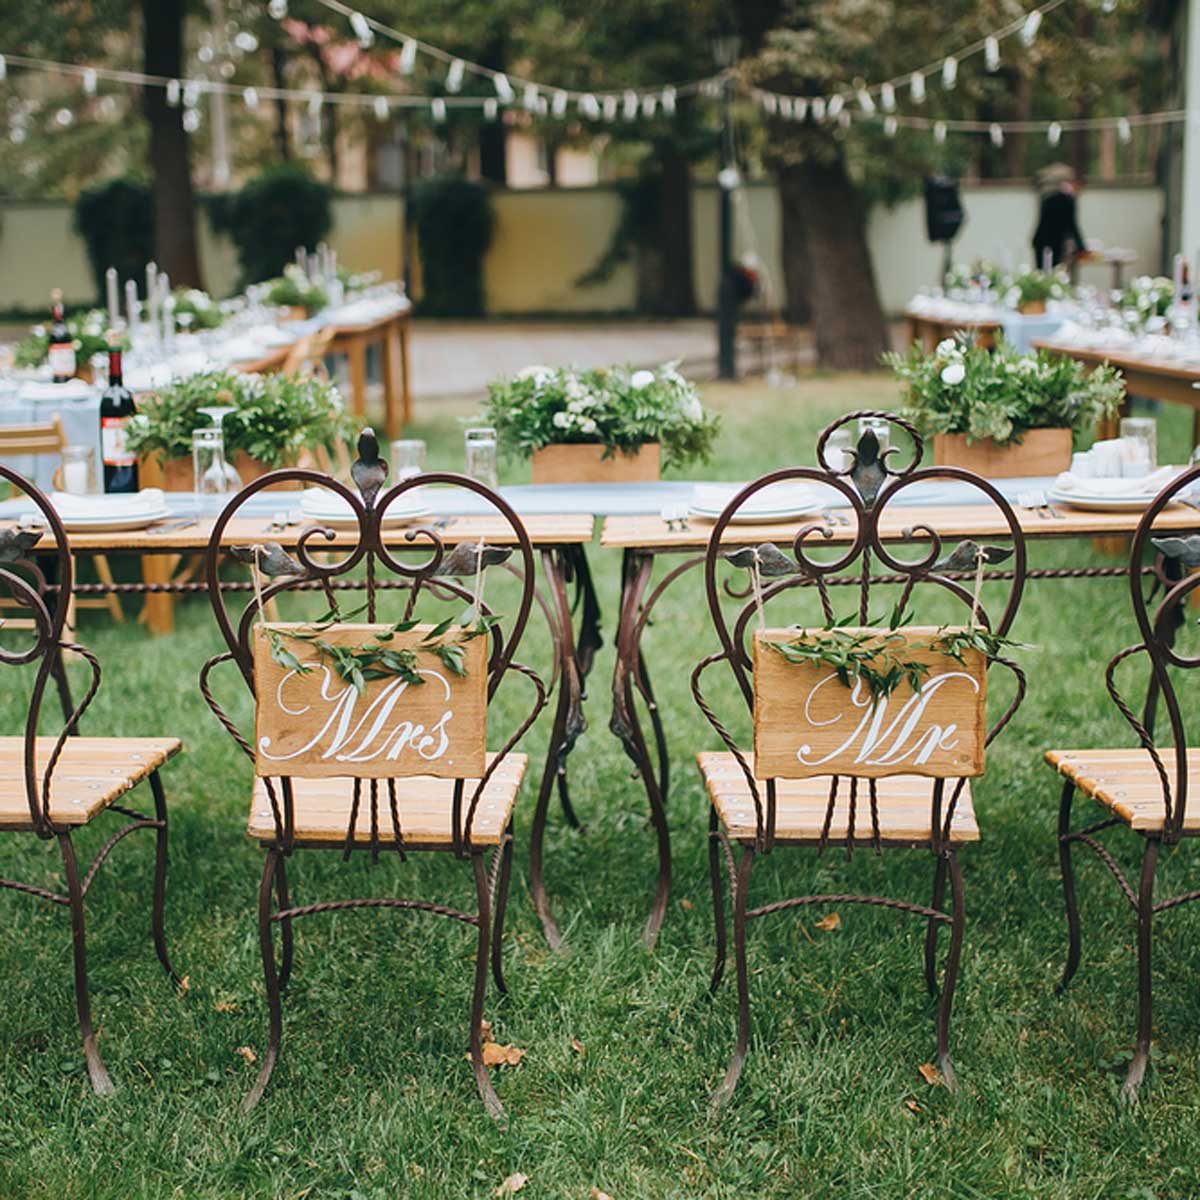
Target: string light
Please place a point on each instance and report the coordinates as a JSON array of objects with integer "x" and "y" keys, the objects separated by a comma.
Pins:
[
  {"x": 799, "y": 108},
  {"x": 250, "y": 98},
  {"x": 1054, "y": 133},
  {"x": 834, "y": 105},
  {"x": 1029, "y": 30},
  {"x": 949, "y": 72},
  {"x": 504, "y": 89},
  {"x": 939, "y": 132},
  {"x": 771, "y": 103},
  {"x": 408, "y": 57},
  {"x": 277, "y": 9},
  {"x": 669, "y": 96},
  {"x": 191, "y": 120},
  {"x": 437, "y": 109},
  {"x": 1124, "y": 132},
  {"x": 3, "y": 67},
  {"x": 89, "y": 81},
  {"x": 608, "y": 107},
  {"x": 887, "y": 97},
  {"x": 996, "y": 133},
  {"x": 649, "y": 104},
  {"x": 314, "y": 104},
  {"x": 382, "y": 110},
  {"x": 991, "y": 53},
  {"x": 531, "y": 97},
  {"x": 454, "y": 76},
  {"x": 362, "y": 30},
  {"x": 890, "y": 125},
  {"x": 916, "y": 85},
  {"x": 865, "y": 102},
  {"x": 629, "y": 105},
  {"x": 172, "y": 92},
  {"x": 817, "y": 104},
  {"x": 491, "y": 108},
  {"x": 558, "y": 103}
]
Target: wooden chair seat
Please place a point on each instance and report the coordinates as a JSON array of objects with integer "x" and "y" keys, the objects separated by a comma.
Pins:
[
  {"x": 1126, "y": 782},
  {"x": 90, "y": 774},
  {"x": 903, "y": 802},
  {"x": 322, "y": 808}
]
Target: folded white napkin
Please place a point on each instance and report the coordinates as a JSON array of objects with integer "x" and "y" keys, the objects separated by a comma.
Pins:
[
  {"x": 73, "y": 389},
  {"x": 132, "y": 504},
  {"x": 1116, "y": 488}
]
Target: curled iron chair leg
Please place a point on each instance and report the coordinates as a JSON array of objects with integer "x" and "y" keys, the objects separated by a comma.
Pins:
[
  {"x": 741, "y": 886},
  {"x": 1145, "y": 911},
  {"x": 482, "y": 1079},
  {"x": 500, "y": 902},
  {"x": 157, "y": 914},
  {"x": 931, "y": 928},
  {"x": 1068, "y": 883},
  {"x": 950, "y": 977},
  {"x": 714, "y": 874},
  {"x": 283, "y": 900},
  {"x": 266, "y": 942},
  {"x": 101, "y": 1083}
]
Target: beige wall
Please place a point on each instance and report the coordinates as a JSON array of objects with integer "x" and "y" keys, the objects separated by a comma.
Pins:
[{"x": 545, "y": 240}]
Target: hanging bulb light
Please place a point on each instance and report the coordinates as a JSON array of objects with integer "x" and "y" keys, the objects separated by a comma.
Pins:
[
  {"x": 315, "y": 101},
  {"x": 835, "y": 105},
  {"x": 844, "y": 119},
  {"x": 408, "y": 57},
  {"x": 629, "y": 105},
  {"x": 491, "y": 108},
  {"x": 454, "y": 76},
  {"x": 250, "y": 98},
  {"x": 558, "y": 103},
  {"x": 649, "y": 104},
  {"x": 771, "y": 103},
  {"x": 64, "y": 117},
  {"x": 996, "y": 133},
  {"x": 589, "y": 106},
  {"x": 277, "y": 9},
  {"x": 191, "y": 120},
  {"x": 4, "y": 67},
  {"x": 530, "y": 97},
  {"x": 504, "y": 89},
  {"x": 382, "y": 109},
  {"x": 916, "y": 83},
  {"x": 1029, "y": 30},
  {"x": 890, "y": 125},
  {"x": 817, "y": 104},
  {"x": 785, "y": 106},
  {"x": 191, "y": 94},
  {"x": 608, "y": 107},
  {"x": 89, "y": 81},
  {"x": 939, "y": 132},
  {"x": 437, "y": 109},
  {"x": 865, "y": 101},
  {"x": 887, "y": 97},
  {"x": 362, "y": 30},
  {"x": 949, "y": 72},
  {"x": 991, "y": 53},
  {"x": 172, "y": 93},
  {"x": 669, "y": 97},
  {"x": 799, "y": 108},
  {"x": 1124, "y": 130},
  {"x": 1054, "y": 133}
]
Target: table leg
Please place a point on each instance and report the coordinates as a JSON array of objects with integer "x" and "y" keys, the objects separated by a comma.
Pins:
[
  {"x": 391, "y": 380},
  {"x": 405, "y": 382},
  {"x": 356, "y": 354},
  {"x": 159, "y": 609}
]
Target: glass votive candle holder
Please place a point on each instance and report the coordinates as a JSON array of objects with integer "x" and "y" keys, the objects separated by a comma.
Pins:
[
  {"x": 1140, "y": 435},
  {"x": 79, "y": 470},
  {"x": 408, "y": 458},
  {"x": 481, "y": 462}
]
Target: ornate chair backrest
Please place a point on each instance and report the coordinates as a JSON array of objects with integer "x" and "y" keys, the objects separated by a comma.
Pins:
[
  {"x": 1160, "y": 623},
  {"x": 893, "y": 697},
  {"x": 355, "y": 694},
  {"x": 45, "y": 597}
]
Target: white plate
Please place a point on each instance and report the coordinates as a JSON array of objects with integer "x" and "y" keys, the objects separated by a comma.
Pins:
[
  {"x": 1101, "y": 503},
  {"x": 114, "y": 524},
  {"x": 758, "y": 516},
  {"x": 790, "y": 501}
]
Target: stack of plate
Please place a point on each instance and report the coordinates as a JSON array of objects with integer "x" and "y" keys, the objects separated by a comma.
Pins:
[
  {"x": 110, "y": 514},
  {"x": 779, "y": 502},
  {"x": 1110, "y": 495},
  {"x": 323, "y": 507}
]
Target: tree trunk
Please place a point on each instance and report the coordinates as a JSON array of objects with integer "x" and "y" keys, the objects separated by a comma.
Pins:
[
  {"x": 675, "y": 291},
  {"x": 279, "y": 78},
  {"x": 493, "y": 152},
  {"x": 174, "y": 203},
  {"x": 825, "y": 244}
]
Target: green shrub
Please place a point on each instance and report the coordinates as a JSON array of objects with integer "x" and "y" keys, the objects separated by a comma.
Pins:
[
  {"x": 116, "y": 220},
  {"x": 454, "y": 223},
  {"x": 278, "y": 210}
]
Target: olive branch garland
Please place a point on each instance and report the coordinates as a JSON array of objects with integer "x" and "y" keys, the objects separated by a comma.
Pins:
[{"x": 375, "y": 659}]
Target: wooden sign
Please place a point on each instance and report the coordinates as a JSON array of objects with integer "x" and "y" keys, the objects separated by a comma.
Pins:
[
  {"x": 310, "y": 722},
  {"x": 807, "y": 722}
]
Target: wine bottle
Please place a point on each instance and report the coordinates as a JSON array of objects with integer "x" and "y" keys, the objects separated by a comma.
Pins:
[
  {"x": 61, "y": 350},
  {"x": 116, "y": 409}
]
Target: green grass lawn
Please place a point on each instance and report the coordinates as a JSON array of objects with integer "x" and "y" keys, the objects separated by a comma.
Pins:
[{"x": 373, "y": 1097}]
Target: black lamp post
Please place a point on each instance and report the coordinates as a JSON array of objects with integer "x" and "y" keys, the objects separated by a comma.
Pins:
[{"x": 725, "y": 51}]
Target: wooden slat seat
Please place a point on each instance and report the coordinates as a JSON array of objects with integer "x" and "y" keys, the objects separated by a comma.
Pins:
[
  {"x": 90, "y": 774},
  {"x": 322, "y": 808},
  {"x": 1126, "y": 782},
  {"x": 904, "y": 805}
]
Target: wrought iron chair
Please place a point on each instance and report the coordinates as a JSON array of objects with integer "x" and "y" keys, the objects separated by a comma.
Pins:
[
  {"x": 802, "y": 786},
  {"x": 54, "y": 786},
  {"x": 1144, "y": 790},
  {"x": 391, "y": 792}
]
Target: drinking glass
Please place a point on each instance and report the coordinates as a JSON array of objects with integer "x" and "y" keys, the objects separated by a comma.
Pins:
[
  {"x": 839, "y": 449},
  {"x": 210, "y": 472},
  {"x": 480, "y": 446},
  {"x": 78, "y": 470},
  {"x": 1142, "y": 447},
  {"x": 408, "y": 458}
]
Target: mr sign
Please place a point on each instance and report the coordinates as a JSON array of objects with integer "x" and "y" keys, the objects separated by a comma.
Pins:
[
  {"x": 312, "y": 722},
  {"x": 808, "y": 722}
]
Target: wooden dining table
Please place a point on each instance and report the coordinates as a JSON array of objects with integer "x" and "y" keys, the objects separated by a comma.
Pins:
[{"x": 927, "y": 331}]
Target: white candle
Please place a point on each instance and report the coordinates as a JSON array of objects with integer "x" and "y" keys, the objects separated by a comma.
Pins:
[
  {"x": 112, "y": 295},
  {"x": 152, "y": 295},
  {"x": 131, "y": 303},
  {"x": 75, "y": 478}
]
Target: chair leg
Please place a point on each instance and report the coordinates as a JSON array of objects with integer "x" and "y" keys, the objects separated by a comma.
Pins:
[
  {"x": 1067, "y": 870},
  {"x": 714, "y": 875},
  {"x": 111, "y": 601},
  {"x": 1141, "y": 1052},
  {"x": 160, "y": 878},
  {"x": 101, "y": 1083},
  {"x": 500, "y": 903},
  {"x": 740, "y": 887},
  {"x": 950, "y": 976},
  {"x": 482, "y": 1079},
  {"x": 931, "y": 928},
  {"x": 283, "y": 901},
  {"x": 266, "y": 942}
]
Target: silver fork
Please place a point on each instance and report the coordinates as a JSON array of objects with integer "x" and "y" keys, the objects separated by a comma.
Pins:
[
  {"x": 1038, "y": 503},
  {"x": 676, "y": 516},
  {"x": 834, "y": 518}
]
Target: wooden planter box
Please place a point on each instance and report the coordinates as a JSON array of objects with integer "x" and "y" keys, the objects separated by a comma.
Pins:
[
  {"x": 1040, "y": 452},
  {"x": 585, "y": 463},
  {"x": 1032, "y": 308},
  {"x": 176, "y": 474}
]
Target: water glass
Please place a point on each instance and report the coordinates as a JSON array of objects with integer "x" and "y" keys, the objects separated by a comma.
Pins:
[
  {"x": 408, "y": 458},
  {"x": 839, "y": 449},
  {"x": 480, "y": 446},
  {"x": 210, "y": 472},
  {"x": 79, "y": 470},
  {"x": 1141, "y": 445}
]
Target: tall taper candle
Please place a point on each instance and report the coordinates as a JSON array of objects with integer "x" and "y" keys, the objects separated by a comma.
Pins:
[
  {"x": 131, "y": 303},
  {"x": 112, "y": 296},
  {"x": 152, "y": 295}
]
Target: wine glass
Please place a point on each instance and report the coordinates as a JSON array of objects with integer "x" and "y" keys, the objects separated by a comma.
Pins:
[{"x": 217, "y": 413}]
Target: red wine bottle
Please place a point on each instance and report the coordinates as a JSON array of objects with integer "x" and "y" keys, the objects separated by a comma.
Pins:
[
  {"x": 61, "y": 350},
  {"x": 116, "y": 409}
]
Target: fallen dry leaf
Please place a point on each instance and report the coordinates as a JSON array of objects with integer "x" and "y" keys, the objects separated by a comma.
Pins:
[
  {"x": 577, "y": 1045},
  {"x": 930, "y": 1074},
  {"x": 514, "y": 1183},
  {"x": 247, "y": 1053},
  {"x": 225, "y": 1006},
  {"x": 912, "y": 1106},
  {"x": 485, "y": 1029},
  {"x": 495, "y": 1055},
  {"x": 829, "y": 922},
  {"x": 184, "y": 985},
  {"x": 597, "y": 1194},
  {"x": 687, "y": 906}
]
